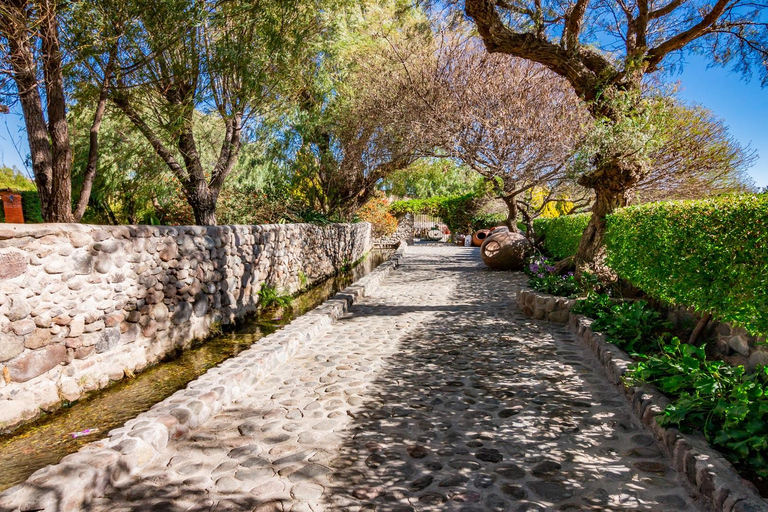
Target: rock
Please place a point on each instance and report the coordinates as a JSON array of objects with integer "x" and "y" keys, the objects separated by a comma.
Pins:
[
  {"x": 82, "y": 263},
  {"x": 103, "y": 263},
  {"x": 552, "y": 491},
  {"x": 489, "y": 455},
  {"x": 12, "y": 264},
  {"x": 38, "y": 339},
  {"x": 79, "y": 239},
  {"x": 23, "y": 327},
  {"x": 511, "y": 471},
  {"x": 19, "y": 309},
  {"x": 546, "y": 468},
  {"x": 200, "y": 307},
  {"x": 10, "y": 346},
  {"x": 169, "y": 251},
  {"x": 108, "y": 246},
  {"x": 421, "y": 483},
  {"x": 77, "y": 326},
  {"x": 758, "y": 358},
  {"x": 36, "y": 362},
  {"x": 108, "y": 339},
  {"x": 160, "y": 312},
  {"x": 56, "y": 266},
  {"x": 182, "y": 314}
]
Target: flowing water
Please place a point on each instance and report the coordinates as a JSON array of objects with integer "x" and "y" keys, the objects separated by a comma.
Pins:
[{"x": 49, "y": 439}]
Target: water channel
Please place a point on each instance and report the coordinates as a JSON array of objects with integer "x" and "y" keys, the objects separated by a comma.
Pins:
[{"x": 50, "y": 438}]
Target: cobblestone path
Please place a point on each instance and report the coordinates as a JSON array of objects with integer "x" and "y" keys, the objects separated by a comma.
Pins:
[{"x": 432, "y": 394}]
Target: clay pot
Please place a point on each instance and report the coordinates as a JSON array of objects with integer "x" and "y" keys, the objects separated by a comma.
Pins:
[
  {"x": 479, "y": 237},
  {"x": 505, "y": 250}
]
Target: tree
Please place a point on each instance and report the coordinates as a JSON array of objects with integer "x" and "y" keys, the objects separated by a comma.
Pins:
[
  {"x": 13, "y": 179},
  {"x": 350, "y": 128},
  {"x": 605, "y": 50},
  {"x": 431, "y": 177},
  {"x": 512, "y": 121},
  {"x": 32, "y": 46},
  {"x": 228, "y": 59},
  {"x": 696, "y": 157}
]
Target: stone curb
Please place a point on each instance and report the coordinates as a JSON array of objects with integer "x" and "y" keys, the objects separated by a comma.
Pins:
[
  {"x": 706, "y": 474},
  {"x": 87, "y": 474},
  {"x": 543, "y": 306}
]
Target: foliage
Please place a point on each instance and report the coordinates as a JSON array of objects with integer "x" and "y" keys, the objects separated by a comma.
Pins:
[
  {"x": 594, "y": 305},
  {"x": 487, "y": 220},
  {"x": 456, "y": 211},
  {"x": 249, "y": 206},
  {"x": 729, "y": 405},
  {"x": 429, "y": 177},
  {"x": 31, "y": 207},
  {"x": 630, "y": 325},
  {"x": 376, "y": 211},
  {"x": 346, "y": 128},
  {"x": 562, "y": 234},
  {"x": 543, "y": 277},
  {"x": 710, "y": 254},
  {"x": 12, "y": 179},
  {"x": 269, "y": 298}
]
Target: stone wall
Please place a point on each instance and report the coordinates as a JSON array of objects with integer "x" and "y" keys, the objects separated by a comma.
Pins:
[
  {"x": 404, "y": 233},
  {"x": 82, "y": 306}
]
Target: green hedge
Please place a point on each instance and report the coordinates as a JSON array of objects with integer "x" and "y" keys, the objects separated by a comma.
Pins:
[
  {"x": 30, "y": 206},
  {"x": 562, "y": 233},
  {"x": 710, "y": 254},
  {"x": 456, "y": 211}
]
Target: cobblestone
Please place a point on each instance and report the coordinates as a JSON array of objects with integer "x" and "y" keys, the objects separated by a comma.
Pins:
[{"x": 433, "y": 393}]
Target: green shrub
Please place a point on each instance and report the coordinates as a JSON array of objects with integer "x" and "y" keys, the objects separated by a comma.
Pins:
[
  {"x": 456, "y": 211},
  {"x": 593, "y": 305},
  {"x": 543, "y": 277},
  {"x": 633, "y": 326},
  {"x": 562, "y": 233},
  {"x": 729, "y": 405},
  {"x": 711, "y": 254},
  {"x": 30, "y": 206},
  {"x": 269, "y": 298}
]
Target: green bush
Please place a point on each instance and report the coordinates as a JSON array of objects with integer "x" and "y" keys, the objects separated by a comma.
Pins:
[
  {"x": 457, "y": 212},
  {"x": 727, "y": 404},
  {"x": 711, "y": 254},
  {"x": 30, "y": 206},
  {"x": 562, "y": 234}
]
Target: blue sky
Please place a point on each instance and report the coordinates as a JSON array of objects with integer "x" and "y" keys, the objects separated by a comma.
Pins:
[{"x": 743, "y": 105}]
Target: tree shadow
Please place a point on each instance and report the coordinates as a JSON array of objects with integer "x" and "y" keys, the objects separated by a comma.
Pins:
[{"x": 483, "y": 409}]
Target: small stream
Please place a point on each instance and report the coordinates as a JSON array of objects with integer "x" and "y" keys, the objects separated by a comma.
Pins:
[{"x": 49, "y": 439}]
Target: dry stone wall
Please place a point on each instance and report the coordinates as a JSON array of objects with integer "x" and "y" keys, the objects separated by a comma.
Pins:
[
  {"x": 82, "y": 306},
  {"x": 405, "y": 232}
]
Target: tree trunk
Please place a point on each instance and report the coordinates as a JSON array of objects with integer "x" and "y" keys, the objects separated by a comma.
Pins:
[
  {"x": 202, "y": 200},
  {"x": 511, "y": 220},
  {"x": 60, "y": 201},
  {"x": 611, "y": 183}
]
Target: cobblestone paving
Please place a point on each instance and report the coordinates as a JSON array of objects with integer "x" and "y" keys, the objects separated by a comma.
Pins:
[{"x": 433, "y": 394}]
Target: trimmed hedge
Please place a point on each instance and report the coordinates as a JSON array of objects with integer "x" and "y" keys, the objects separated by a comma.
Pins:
[
  {"x": 711, "y": 254},
  {"x": 456, "y": 211},
  {"x": 30, "y": 206},
  {"x": 562, "y": 234}
]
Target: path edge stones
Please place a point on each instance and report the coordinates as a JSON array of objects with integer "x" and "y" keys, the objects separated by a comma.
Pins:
[
  {"x": 706, "y": 474},
  {"x": 81, "y": 477}
]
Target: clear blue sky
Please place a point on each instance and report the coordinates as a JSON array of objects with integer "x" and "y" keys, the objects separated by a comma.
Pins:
[{"x": 744, "y": 106}]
